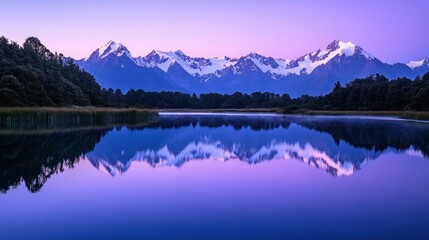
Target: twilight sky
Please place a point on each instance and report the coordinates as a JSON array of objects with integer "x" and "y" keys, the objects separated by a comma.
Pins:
[{"x": 394, "y": 31}]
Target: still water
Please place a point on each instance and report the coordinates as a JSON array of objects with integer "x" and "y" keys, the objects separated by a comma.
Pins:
[{"x": 219, "y": 176}]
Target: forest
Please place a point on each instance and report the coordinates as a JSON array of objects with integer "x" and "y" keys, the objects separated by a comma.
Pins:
[{"x": 33, "y": 76}]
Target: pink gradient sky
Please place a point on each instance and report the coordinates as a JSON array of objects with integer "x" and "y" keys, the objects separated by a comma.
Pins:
[{"x": 394, "y": 31}]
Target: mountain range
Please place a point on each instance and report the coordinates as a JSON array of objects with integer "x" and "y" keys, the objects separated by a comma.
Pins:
[{"x": 314, "y": 73}]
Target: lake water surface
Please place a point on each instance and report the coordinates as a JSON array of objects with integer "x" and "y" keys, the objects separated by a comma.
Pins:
[{"x": 219, "y": 176}]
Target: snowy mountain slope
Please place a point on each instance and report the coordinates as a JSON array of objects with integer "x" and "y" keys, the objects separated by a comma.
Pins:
[
  {"x": 419, "y": 67},
  {"x": 279, "y": 67},
  {"x": 113, "y": 67},
  {"x": 314, "y": 73},
  {"x": 193, "y": 66},
  {"x": 416, "y": 64},
  {"x": 111, "y": 47}
]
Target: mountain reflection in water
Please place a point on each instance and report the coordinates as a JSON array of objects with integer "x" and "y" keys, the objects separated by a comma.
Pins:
[{"x": 340, "y": 146}]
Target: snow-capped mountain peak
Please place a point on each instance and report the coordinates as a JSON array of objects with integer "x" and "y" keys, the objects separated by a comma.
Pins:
[
  {"x": 110, "y": 48},
  {"x": 194, "y": 66},
  {"x": 155, "y": 59},
  {"x": 416, "y": 64},
  {"x": 206, "y": 67},
  {"x": 312, "y": 73},
  {"x": 338, "y": 48},
  {"x": 311, "y": 61},
  {"x": 252, "y": 62},
  {"x": 179, "y": 53}
]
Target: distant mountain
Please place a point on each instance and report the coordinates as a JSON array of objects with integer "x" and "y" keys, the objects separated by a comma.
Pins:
[
  {"x": 113, "y": 67},
  {"x": 314, "y": 73},
  {"x": 420, "y": 67}
]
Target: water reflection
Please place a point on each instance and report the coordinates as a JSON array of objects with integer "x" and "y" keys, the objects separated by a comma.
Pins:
[
  {"x": 33, "y": 158},
  {"x": 339, "y": 146}
]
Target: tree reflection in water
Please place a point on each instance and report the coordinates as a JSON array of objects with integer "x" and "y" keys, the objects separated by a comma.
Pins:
[{"x": 338, "y": 145}]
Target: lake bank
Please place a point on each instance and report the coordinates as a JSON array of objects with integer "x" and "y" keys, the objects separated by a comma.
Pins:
[
  {"x": 94, "y": 116},
  {"x": 400, "y": 114},
  {"x": 222, "y": 110},
  {"x": 47, "y": 118}
]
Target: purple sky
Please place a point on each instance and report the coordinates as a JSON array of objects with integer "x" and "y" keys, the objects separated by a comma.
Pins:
[{"x": 394, "y": 31}]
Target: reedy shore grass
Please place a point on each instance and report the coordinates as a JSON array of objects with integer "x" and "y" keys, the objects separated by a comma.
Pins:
[
  {"x": 46, "y": 118},
  {"x": 43, "y": 119}
]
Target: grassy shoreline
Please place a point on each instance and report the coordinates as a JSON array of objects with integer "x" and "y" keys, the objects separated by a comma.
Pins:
[
  {"x": 74, "y": 109},
  {"x": 400, "y": 114},
  {"x": 97, "y": 115},
  {"x": 47, "y": 118}
]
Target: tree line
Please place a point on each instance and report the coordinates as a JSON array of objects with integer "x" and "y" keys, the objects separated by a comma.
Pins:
[
  {"x": 374, "y": 93},
  {"x": 33, "y": 76}
]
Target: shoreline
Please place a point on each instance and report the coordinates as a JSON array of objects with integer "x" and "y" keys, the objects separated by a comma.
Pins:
[
  {"x": 424, "y": 115},
  {"x": 421, "y": 116},
  {"x": 74, "y": 109},
  {"x": 42, "y": 119},
  {"x": 400, "y": 114}
]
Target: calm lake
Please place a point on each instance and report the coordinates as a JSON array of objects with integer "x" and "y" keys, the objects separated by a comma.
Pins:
[{"x": 219, "y": 176}]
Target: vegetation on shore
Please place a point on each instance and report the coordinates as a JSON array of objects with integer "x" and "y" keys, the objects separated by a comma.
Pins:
[
  {"x": 415, "y": 115},
  {"x": 400, "y": 114},
  {"x": 374, "y": 93},
  {"x": 33, "y": 76},
  {"x": 75, "y": 118}
]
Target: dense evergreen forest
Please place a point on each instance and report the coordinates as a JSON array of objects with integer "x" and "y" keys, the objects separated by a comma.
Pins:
[
  {"x": 375, "y": 93},
  {"x": 33, "y": 76}
]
